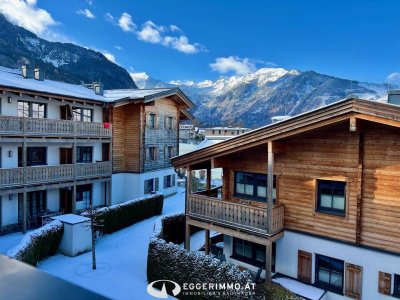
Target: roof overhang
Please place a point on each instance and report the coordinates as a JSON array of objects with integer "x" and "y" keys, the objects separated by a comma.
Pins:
[
  {"x": 337, "y": 112},
  {"x": 185, "y": 115}
]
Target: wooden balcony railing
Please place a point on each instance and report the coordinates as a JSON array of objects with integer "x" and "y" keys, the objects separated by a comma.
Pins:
[
  {"x": 44, "y": 174},
  {"x": 235, "y": 215},
  {"x": 10, "y": 125}
]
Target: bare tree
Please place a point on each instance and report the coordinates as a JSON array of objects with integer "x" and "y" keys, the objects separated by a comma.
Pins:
[{"x": 93, "y": 227}]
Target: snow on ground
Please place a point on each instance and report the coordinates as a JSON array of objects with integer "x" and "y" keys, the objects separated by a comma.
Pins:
[
  {"x": 9, "y": 241},
  {"x": 121, "y": 259},
  {"x": 299, "y": 288}
]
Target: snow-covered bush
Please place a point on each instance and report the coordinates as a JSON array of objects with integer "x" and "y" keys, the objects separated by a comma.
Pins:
[
  {"x": 166, "y": 261},
  {"x": 38, "y": 244},
  {"x": 125, "y": 214},
  {"x": 173, "y": 229}
]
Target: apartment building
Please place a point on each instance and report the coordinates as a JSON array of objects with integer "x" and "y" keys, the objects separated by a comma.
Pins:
[
  {"x": 224, "y": 131},
  {"x": 55, "y": 149},
  {"x": 56, "y": 146},
  {"x": 314, "y": 199},
  {"x": 146, "y": 137}
]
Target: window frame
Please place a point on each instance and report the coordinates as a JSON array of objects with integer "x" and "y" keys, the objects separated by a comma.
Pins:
[
  {"x": 396, "y": 282},
  {"x": 323, "y": 284},
  {"x": 30, "y": 109},
  {"x": 326, "y": 210},
  {"x": 152, "y": 120},
  {"x": 84, "y": 188},
  {"x": 154, "y": 184},
  {"x": 80, "y": 154},
  {"x": 169, "y": 123},
  {"x": 256, "y": 177},
  {"x": 81, "y": 116},
  {"x": 152, "y": 153}
]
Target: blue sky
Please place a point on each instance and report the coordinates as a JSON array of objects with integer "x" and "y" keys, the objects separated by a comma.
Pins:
[{"x": 199, "y": 40}]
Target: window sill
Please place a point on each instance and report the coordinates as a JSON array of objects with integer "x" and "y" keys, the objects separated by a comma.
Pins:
[{"x": 330, "y": 213}]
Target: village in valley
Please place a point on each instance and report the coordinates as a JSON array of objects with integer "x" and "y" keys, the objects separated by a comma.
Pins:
[{"x": 264, "y": 183}]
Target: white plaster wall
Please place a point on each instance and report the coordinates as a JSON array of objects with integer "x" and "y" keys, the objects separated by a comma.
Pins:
[
  {"x": 9, "y": 210},
  {"x": 372, "y": 261},
  {"x": 98, "y": 197},
  {"x": 53, "y": 107},
  {"x": 128, "y": 186},
  {"x": 6, "y": 161},
  {"x": 53, "y": 200}
]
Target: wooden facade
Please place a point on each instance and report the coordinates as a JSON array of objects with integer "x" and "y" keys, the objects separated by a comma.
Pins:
[{"x": 355, "y": 142}]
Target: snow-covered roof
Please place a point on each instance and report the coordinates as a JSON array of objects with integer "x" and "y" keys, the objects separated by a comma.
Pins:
[
  {"x": 114, "y": 95},
  {"x": 208, "y": 142},
  {"x": 71, "y": 218},
  {"x": 13, "y": 78}
]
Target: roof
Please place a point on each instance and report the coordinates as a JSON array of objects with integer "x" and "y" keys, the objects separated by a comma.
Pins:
[
  {"x": 71, "y": 219},
  {"x": 21, "y": 281},
  {"x": 13, "y": 78},
  {"x": 383, "y": 113}
]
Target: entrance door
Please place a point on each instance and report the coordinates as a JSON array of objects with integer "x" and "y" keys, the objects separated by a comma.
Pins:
[
  {"x": 304, "y": 266},
  {"x": 65, "y": 156},
  {"x": 66, "y": 200}
]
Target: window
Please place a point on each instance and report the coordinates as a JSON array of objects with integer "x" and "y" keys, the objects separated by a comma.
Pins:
[
  {"x": 331, "y": 197},
  {"x": 384, "y": 283},
  {"x": 152, "y": 153},
  {"x": 254, "y": 186},
  {"x": 251, "y": 253},
  {"x": 169, "y": 181},
  {"x": 168, "y": 123},
  {"x": 169, "y": 151},
  {"x": 84, "y": 154},
  {"x": 329, "y": 273},
  {"x": 83, "y": 196},
  {"x": 36, "y": 202},
  {"x": 32, "y": 109},
  {"x": 35, "y": 156},
  {"x": 152, "y": 120},
  {"x": 213, "y": 132},
  {"x": 151, "y": 185},
  {"x": 82, "y": 114},
  {"x": 396, "y": 287}
]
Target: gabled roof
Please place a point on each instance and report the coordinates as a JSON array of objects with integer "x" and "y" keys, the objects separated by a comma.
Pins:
[
  {"x": 145, "y": 95},
  {"x": 340, "y": 111}
]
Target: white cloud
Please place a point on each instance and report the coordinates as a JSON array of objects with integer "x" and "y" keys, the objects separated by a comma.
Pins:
[
  {"x": 24, "y": 13},
  {"x": 109, "y": 56},
  {"x": 118, "y": 47},
  {"x": 139, "y": 78},
  {"x": 109, "y": 18},
  {"x": 234, "y": 64},
  {"x": 126, "y": 23},
  {"x": 89, "y": 2},
  {"x": 150, "y": 33},
  {"x": 393, "y": 78},
  {"x": 182, "y": 44},
  {"x": 85, "y": 12}
]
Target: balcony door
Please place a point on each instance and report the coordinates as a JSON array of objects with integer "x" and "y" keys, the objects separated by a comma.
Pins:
[
  {"x": 35, "y": 156},
  {"x": 65, "y": 156},
  {"x": 66, "y": 112},
  {"x": 66, "y": 200}
]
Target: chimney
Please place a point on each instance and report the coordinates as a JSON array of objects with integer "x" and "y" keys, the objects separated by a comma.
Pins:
[
  {"x": 98, "y": 88},
  {"x": 394, "y": 97},
  {"x": 39, "y": 75},
  {"x": 27, "y": 72}
]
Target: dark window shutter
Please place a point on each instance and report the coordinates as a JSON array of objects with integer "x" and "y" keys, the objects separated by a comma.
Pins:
[
  {"x": 384, "y": 283},
  {"x": 304, "y": 266},
  {"x": 156, "y": 184},
  {"x": 353, "y": 281}
]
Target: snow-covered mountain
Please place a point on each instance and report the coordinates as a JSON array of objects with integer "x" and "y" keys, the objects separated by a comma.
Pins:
[
  {"x": 60, "y": 61},
  {"x": 252, "y": 99}
]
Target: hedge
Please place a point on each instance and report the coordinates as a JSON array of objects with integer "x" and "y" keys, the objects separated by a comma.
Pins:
[
  {"x": 38, "y": 244},
  {"x": 166, "y": 261},
  {"x": 173, "y": 229},
  {"x": 116, "y": 217}
]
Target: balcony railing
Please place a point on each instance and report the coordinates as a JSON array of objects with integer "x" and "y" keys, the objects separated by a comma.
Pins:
[
  {"x": 235, "y": 215},
  {"x": 45, "y": 174},
  {"x": 30, "y": 126}
]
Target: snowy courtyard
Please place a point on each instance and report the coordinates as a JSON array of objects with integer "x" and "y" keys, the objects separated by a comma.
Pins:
[{"x": 121, "y": 258}]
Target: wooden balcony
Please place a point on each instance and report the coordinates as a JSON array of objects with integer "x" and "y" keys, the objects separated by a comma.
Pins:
[
  {"x": 235, "y": 215},
  {"x": 47, "y": 174},
  {"x": 10, "y": 125}
]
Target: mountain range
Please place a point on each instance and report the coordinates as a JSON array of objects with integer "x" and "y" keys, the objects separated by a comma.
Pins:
[
  {"x": 60, "y": 61},
  {"x": 249, "y": 100}
]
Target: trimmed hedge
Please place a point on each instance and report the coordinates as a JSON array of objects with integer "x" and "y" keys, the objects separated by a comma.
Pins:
[
  {"x": 116, "y": 217},
  {"x": 38, "y": 244},
  {"x": 166, "y": 261},
  {"x": 173, "y": 229}
]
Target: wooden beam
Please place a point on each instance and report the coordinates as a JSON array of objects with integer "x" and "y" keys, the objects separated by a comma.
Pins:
[
  {"x": 228, "y": 231},
  {"x": 360, "y": 187},
  {"x": 24, "y": 212},
  {"x": 73, "y": 200},
  {"x": 207, "y": 241},
  {"x": 208, "y": 186},
  {"x": 380, "y": 120},
  {"x": 187, "y": 236},
  {"x": 353, "y": 124},
  {"x": 188, "y": 188},
  {"x": 270, "y": 186},
  {"x": 268, "y": 261}
]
